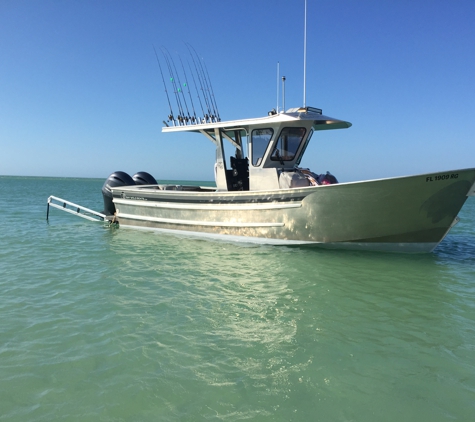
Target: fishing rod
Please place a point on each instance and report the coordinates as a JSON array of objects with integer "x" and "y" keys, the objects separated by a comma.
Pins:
[
  {"x": 197, "y": 91},
  {"x": 209, "y": 115},
  {"x": 188, "y": 117},
  {"x": 170, "y": 117},
  {"x": 194, "y": 118},
  {"x": 181, "y": 114},
  {"x": 182, "y": 117},
  {"x": 213, "y": 116},
  {"x": 212, "y": 92}
]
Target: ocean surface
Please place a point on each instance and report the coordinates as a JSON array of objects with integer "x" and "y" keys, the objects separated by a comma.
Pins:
[{"x": 113, "y": 324}]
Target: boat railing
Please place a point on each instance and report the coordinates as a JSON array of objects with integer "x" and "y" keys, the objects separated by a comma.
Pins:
[{"x": 75, "y": 209}]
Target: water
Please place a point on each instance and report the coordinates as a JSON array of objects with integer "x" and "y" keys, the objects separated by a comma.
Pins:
[{"x": 104, "y": 324}]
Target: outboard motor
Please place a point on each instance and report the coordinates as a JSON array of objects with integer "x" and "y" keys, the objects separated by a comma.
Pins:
[
  {"x": 118, "y": 178},
  {"x": 144, "y": 178}
]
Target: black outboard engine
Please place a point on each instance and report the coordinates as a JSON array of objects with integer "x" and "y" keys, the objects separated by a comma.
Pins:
[
  {"x": 144, "y": 178},
  {"x": 118, "y": 178}
]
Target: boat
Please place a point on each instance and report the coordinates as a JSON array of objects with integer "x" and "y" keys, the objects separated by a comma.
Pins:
[{"x": 262, "y": 195}]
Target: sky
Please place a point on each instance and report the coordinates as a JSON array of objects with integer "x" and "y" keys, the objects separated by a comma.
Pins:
[{"x": 81, "y": 93}]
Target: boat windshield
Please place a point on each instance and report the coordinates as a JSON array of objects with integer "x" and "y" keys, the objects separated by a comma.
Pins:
[
  {"x": 260, "y": 139},
  {"x": 288, "y": 143}
]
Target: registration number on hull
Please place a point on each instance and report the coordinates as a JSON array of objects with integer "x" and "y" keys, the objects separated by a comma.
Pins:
[{"x": 439, "y": 177}]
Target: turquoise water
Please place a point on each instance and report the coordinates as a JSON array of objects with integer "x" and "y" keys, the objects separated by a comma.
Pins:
[{"x": 104, "y": 324}]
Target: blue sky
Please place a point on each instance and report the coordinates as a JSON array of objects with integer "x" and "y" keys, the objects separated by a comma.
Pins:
[{"x": 81, "y": 93}]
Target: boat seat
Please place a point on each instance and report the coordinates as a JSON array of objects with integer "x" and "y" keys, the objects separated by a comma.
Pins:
[{"x": 238, "y": 177}]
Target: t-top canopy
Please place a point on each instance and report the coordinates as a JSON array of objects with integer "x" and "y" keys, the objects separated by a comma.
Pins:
[{"x": 320, "y": 121}]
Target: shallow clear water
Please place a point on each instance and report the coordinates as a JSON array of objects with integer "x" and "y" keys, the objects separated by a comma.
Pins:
[{"x": 104, "y": 324}]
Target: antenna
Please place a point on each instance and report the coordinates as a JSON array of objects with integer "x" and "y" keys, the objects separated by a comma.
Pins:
[
  {"x": 277, "y": 108},
  {"x": 305, "y": 54},
  {"x": 283, "y": 94}
]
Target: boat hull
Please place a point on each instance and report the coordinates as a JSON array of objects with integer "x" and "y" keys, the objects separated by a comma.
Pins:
[{"x": 404, "y": 214}]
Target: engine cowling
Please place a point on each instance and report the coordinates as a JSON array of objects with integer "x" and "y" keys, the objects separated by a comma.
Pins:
[
  {"x": 116, "y": 179},
  {"x": 144, "y": 178}
]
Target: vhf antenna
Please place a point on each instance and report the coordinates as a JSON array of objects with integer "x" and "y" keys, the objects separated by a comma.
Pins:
[
  {"x": 278, "y": 75},
  {"x": 305, "y": 55}
]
